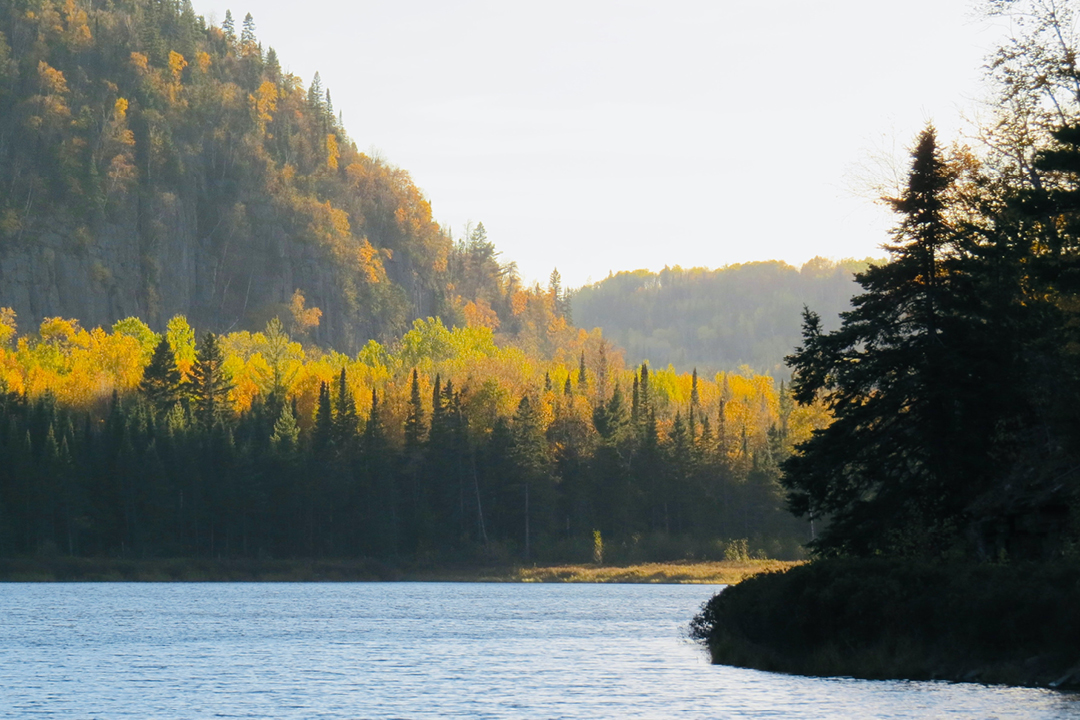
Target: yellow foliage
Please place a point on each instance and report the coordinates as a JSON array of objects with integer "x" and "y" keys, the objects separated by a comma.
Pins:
[
  {"x": 332, "y": 152},
  {"x": 519, "y": 301},
  {"x": 304, "y": 318},
  {"x": 177, "y": 63},
  {"x": 369, "y": 264},
  {"x": 202, "y": 61},
  {"x": 78, "y": 31},
  {"x": 8, "y": 327},
  {"x": 264, "y": 102},
  {"x": 52, "y": 80},
  {"x": 140, "y": 62},
  {"x": 480, "y": 314}
]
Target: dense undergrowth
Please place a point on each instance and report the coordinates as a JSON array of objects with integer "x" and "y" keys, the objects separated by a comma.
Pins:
[{"x": 897, "y": 618}]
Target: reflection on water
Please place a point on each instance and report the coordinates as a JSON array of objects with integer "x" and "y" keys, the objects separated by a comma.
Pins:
[{"x": 417, "y": 651}]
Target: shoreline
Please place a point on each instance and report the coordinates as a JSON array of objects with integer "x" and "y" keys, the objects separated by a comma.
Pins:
[
  {"x": 71, "y": 569},
  {"x": 896, "y": 619}
]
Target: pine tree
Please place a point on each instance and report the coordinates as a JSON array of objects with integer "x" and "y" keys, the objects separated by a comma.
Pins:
[
  {"x": 346, "y": 423},
  {"x": 322, "y": 432},
  {"x": 894, "y": 468},
  {"x": 229, "y": 26},
  {"x": 286, "y": 434},
  {"x": 414, "y": 421},
  {"x": 210, "y": 386},
  {"x": 161, "y": 378},
  {"x": 247, "y": 33}
]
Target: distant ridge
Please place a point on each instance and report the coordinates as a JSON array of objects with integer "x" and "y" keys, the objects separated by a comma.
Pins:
[{"x": 716, "y": 320}]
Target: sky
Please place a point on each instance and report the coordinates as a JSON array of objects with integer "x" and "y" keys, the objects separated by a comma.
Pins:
[{"x": 597, "y": 136}]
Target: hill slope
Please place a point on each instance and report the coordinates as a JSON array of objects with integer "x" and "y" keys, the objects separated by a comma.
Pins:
[
  {"x": 152, "y": 165},
  {"x": 715, "y": 319}
]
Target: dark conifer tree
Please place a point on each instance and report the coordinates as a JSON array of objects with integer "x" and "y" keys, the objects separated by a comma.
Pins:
[
  {"x": 161, "y": 378},
  {"x": 322, "y": 432},
  {"x": 346, "y": 423},
  {"x": 229, "y": 25},
  {"x": 902, "y": 461},
  {"x": 414, "y": 421},
  {"x": 210, "y": 386}
]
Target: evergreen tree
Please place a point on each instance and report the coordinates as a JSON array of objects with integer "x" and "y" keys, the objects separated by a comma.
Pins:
[
  {"x": 346, "y": 424},
  {"x": 286, "y": 432},
  {"x": 414, "y": 421},
  {"x": 899, "y": 466},
  {"x": 161, "y": 378},
  {"x": 247, "y": 33},
  {"x": 531, "y": 460},
  {"x": 229, "y": 25},
  {"x": 210, "y": 386},
  {"x": 322, "y": 432}
]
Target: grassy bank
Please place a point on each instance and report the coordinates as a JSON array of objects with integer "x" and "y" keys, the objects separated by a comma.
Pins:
[
  {"x": 1010, "y": 624},
  {"x": 64, "y": 569}
]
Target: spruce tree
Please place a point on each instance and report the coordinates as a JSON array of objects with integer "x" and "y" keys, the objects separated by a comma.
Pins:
[
  {"x": 322, "y": 432},
  {"x": 346, "y": 423},
  {"x": 161, "y": 378},
  {"x": 900, "y": 464},
  {"x": 414, "y": 421},
  {"x": 210, "y": 386}
]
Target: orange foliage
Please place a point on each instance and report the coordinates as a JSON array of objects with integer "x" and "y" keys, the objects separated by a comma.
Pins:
[
  {"x": 480, "y": 314},
  {"x": 304, "y": 318}
]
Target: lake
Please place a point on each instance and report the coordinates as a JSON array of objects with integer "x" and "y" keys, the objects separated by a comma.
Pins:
[{"x": 417, "y": 650}]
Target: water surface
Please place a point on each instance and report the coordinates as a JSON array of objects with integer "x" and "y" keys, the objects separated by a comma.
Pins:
[{"x": 416, "y": 650}]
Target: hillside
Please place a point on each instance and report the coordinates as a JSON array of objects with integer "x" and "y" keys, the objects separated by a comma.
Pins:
[
  {"x": 719, "y": 319},
  {"x": 152, "y": 165}
]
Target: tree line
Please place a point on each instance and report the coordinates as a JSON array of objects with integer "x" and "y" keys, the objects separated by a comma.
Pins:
[
  {"x": 441, "y": 446},
  {"x": 952, "y": 381}
]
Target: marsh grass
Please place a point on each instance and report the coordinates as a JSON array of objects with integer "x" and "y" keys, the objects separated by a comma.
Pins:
[{"x": 204, "y": 570}]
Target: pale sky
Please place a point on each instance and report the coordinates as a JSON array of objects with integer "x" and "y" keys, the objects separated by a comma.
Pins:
[{"x": 608, "y": 135}]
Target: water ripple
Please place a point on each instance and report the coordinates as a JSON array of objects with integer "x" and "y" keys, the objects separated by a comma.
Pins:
[{"x": 417, "y": 651}]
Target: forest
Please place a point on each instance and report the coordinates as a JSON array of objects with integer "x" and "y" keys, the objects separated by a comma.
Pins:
[
  {"x": 718, "y": 319},
  {"x": 946, "y": 484},
  {"x": 445, "y": 446},
  {"x": 225, "y": 332},
  {"x": 951, "y": 383},
  {"x": 152, "y": 165}
]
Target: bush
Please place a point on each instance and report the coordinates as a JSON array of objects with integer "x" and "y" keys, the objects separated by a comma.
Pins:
[{"x": 900, "y": 618}]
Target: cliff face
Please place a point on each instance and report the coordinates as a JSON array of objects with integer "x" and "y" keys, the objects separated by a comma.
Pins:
[{"x": 152, "y": 166}]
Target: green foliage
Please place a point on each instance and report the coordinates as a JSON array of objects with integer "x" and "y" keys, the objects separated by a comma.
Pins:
[
  {"x": 210, "y": 385},
  {"x": 939, "y": 382},
  {"x": 136, "y": 328},
  {"x": 161, "y": 378}
]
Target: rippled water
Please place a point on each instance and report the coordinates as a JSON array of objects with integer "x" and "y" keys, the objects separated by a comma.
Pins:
[{"x": 416, "y": 651}]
